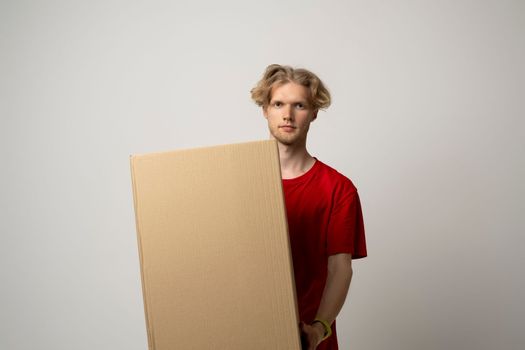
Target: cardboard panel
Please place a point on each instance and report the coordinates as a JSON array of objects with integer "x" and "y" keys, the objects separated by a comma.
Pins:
[{"x": 214, "y": 250}]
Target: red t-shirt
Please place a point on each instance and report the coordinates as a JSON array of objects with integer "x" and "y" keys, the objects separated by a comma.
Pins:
[{"x": 324, "y": 218}]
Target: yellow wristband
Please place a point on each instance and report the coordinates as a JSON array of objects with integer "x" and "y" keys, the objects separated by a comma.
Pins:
[{"x": 326, "y": 326}]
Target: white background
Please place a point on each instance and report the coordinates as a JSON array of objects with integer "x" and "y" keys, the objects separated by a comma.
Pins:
[{"x": 427, "y": 120}]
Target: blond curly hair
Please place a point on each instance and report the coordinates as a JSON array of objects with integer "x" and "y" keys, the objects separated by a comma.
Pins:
[{"x": 277, "y": 75}]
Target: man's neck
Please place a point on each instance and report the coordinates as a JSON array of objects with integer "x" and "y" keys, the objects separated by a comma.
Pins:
[{"x": 295, "y": 160}]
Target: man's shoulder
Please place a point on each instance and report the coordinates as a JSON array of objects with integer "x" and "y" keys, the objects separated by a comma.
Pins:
[{"x": 333, "y": 178}]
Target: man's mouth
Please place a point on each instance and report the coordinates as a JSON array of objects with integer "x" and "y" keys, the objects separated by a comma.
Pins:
[{"x": 287, "y": 128}]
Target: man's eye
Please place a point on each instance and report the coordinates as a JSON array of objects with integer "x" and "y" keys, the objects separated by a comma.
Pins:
[
  {"x": 299, "y": 106},
  {"x": 277, "y": 104}
]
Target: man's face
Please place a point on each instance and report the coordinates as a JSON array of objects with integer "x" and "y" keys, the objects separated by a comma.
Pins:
[{"x": 289, "y": 114}]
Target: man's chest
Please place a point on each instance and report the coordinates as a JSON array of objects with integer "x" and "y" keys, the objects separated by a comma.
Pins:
[{"x": 307, "y": 206}]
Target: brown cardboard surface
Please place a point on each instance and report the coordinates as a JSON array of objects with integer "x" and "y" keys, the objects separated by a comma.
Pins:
[{"x": 214, "y": 250}]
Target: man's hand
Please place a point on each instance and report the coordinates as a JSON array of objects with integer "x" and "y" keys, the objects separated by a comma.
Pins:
[{"x": 311, "y": 335}]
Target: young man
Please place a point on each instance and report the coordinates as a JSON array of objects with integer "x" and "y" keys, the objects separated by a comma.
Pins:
[{"x": 324, "y": 213}]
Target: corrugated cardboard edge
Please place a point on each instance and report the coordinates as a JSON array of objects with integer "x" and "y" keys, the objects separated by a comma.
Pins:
[
  {"x": 288, "y": 244},
  {"x": 149, "y": 325}
]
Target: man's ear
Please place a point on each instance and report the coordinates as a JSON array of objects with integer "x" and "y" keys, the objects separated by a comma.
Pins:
[
  {"x": 315, "y": 115},
  {"x": 265, "y": 111}
]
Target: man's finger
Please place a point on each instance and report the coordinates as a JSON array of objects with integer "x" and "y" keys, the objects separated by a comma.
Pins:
[{"x": 303, "y": 326}]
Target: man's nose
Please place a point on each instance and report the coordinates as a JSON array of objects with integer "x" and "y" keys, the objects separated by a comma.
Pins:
[{"x": 288, "y": 113}]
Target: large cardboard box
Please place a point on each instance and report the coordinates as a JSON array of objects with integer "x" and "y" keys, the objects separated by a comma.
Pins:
[{"x": 214, "y": 250}]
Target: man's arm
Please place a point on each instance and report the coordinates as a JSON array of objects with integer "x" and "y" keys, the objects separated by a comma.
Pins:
[{"x": 334, "y": 295}]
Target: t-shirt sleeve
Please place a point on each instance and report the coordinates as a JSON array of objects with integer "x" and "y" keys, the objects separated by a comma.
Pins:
[{"x": 346, "y": 232}]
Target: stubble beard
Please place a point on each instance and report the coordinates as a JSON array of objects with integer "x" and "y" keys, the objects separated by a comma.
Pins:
[{"x": 288, "y": 139}]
